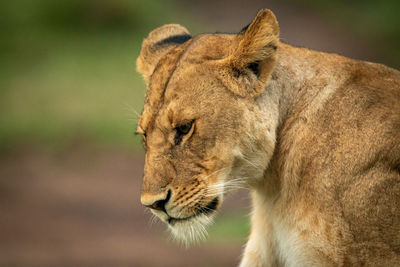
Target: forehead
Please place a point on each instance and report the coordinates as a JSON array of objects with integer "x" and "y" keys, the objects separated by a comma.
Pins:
[
  {"x": 183, "y": 70},
  {"x": 193, "y": 69}
]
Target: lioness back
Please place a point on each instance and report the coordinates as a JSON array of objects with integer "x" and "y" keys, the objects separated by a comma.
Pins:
[{"x": 314, "y": 136}]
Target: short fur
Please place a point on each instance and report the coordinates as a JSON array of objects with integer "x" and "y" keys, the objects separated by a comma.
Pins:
[{"x": 315, "y": 136}]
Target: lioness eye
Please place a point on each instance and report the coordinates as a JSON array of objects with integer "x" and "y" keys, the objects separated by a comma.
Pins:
[{"x": 182, "y": 130}]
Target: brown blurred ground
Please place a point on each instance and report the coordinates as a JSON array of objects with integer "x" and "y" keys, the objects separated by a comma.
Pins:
[{"x": 82, "y": 208}]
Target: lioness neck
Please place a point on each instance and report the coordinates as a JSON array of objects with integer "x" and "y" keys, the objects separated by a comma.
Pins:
[
  {"x": 305, "y": 79},
  {"x": 300, "y": 84}
]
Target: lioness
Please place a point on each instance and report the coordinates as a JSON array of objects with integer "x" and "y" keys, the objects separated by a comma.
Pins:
[{"x": 314, "y": 136}]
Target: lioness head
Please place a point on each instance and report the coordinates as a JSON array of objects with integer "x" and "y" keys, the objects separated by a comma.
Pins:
[{"x": 201, "y": 127}]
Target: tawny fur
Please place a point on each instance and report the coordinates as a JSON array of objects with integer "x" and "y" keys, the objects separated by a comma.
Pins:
[{"x": 315, "y": 136}]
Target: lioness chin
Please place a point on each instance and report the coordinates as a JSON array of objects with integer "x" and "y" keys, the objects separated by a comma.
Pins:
[{"x": 314, "y": 136}]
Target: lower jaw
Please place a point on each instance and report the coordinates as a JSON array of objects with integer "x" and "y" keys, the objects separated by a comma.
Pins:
[
  {"x": 173, "y": 221},
  {"x": 210, "y": 208}
]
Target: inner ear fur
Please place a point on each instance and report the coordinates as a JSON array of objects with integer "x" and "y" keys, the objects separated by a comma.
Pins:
[
  {"x": 255, "y": 53},
  {"x": 157, "y": 44}
]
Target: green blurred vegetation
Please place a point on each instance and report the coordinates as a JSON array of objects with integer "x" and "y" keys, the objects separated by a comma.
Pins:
[
  {"x": 230, "y": 228},
  {"x": 67, "y": 70},
  {"x": 67, "y": 67},
  {"x": 376, "y": 21}
]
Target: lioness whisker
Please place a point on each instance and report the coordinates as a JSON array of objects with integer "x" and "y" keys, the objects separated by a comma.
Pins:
[
  {"x": 131, "y": 110},
  {"x": 153, "y": 220},
  {"x": 214, "y": 172}
]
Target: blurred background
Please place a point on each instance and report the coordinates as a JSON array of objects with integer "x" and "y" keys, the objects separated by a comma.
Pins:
[{"x": 70, "y": 166}]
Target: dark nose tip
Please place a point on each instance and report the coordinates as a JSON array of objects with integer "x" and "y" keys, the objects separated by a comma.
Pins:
[{"x": 160, "y": 204}]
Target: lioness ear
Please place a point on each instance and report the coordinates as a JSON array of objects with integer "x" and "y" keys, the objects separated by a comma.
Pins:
[
  {"x": 258, "y": 41},
  {"x": 255, "y": 53},
  {"x": 157, "y": 44}
]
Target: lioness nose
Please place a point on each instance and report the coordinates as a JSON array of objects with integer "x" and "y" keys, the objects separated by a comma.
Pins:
[{"x": 156, "y": 203}]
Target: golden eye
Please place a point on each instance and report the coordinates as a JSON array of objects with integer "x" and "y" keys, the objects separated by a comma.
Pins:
[{"x": 182, "y": 130}]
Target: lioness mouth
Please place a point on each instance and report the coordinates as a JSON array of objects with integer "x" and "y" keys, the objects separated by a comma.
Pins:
[{"x": 206, "y": 210}]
